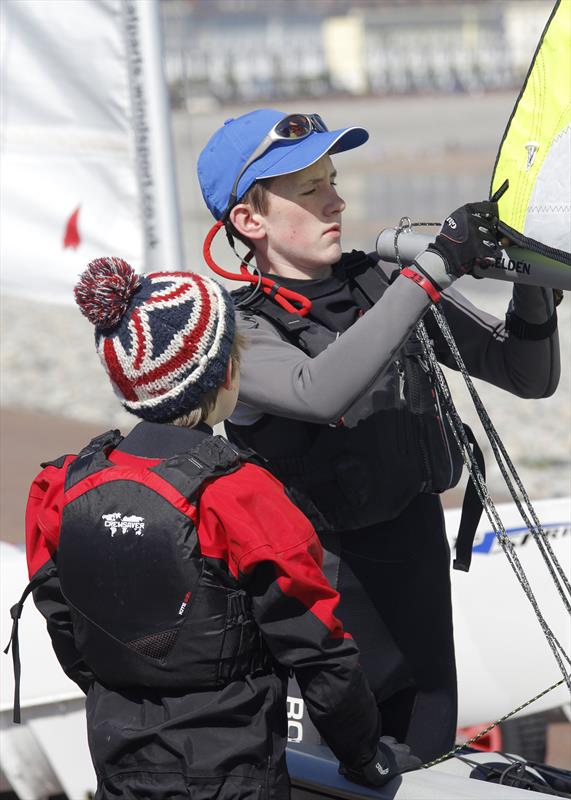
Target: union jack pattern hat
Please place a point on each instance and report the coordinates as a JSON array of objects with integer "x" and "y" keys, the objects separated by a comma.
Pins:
[{"x": 164, "y": 338}]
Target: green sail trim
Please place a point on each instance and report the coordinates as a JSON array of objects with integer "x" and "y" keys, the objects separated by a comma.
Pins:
[{"x": 535, "y": 153}]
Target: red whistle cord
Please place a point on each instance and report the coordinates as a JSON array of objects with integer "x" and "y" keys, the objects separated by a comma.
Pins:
[{"x": 289, "y": 300}]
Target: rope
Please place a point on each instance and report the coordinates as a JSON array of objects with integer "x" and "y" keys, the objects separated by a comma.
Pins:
[
  {"x": 482, "y": 489},
  {"x": 500, "y": 452},
  {"x": 490, "y": 727},
  {"x": 538, "y": 534},
  {"x": 517, "y": 772}
]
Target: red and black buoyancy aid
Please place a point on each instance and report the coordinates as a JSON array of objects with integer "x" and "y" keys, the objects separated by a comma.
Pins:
[
  {"x": 147, "y": 609},
  {"x": 392, "y": 444}
]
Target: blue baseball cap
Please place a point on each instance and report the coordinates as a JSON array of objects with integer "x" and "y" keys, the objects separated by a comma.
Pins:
[{"x": 230, "y": 147}]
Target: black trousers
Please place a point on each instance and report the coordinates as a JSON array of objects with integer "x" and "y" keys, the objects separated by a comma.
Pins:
[{"x": 394, "y": 583}]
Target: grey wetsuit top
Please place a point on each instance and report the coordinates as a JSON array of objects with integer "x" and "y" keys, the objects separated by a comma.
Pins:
[{"x": 278, "y": 378}]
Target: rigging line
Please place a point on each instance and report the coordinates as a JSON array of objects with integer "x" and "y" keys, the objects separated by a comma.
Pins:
[
  {"x": 500, "y": 452},
  {"x": 535, "y": 528},
  {"x": 492, "y": 725},
  {"x": 485, "y": 499},
  {"x": 541, "y": 540},
  {"x": 475, "y": 473},
  {"x": 507, "y": 547}
]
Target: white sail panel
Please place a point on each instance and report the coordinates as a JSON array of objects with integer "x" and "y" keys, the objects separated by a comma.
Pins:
[
  {"x": 86, "y": 161},
  {"x": 549, "y": 210},
  {"x": 69, "y": 182}
]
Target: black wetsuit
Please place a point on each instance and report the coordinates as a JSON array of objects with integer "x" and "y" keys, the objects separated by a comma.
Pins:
[
  {"x": 391, "y": 567},
  {"x": 181, "y": 609}
]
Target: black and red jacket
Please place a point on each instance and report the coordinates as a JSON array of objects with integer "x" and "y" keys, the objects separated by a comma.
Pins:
[{"x": 181, "y": 587}]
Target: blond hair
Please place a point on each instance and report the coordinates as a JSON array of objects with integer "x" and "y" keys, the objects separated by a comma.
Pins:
[{"x": 191, "y": 418}]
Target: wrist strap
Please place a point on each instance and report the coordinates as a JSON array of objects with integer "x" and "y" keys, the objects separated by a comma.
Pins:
[
  {"x": 423, "y": 282},
  {"x": 529, "y": 330}
]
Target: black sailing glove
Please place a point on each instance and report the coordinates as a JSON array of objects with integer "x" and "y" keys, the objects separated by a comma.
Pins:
[
  {"x": 391, "y": 759},
  {"x": 468, "y": 238}
]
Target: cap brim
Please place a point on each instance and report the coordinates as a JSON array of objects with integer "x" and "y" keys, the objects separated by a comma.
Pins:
[{"x": 287, "y": 157}]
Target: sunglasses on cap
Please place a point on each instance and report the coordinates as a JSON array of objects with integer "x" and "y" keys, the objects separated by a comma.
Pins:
[{"x": 290, "y": 128}]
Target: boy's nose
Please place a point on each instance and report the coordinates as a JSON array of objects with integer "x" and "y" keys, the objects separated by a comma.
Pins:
[{"x": 336, "y": 204}]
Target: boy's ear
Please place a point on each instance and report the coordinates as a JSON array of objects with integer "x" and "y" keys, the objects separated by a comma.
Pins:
[
  {"x": 228, "y": 379},
  {"x": 247, "y": 222}
]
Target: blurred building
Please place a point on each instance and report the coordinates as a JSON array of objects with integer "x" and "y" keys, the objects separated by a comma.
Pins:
[{"x": 253, "y": 50}]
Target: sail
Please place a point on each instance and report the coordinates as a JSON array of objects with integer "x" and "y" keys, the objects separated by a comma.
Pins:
[
  {"x": 86, "y": 165},
  {"x": 535, "y": 153}
]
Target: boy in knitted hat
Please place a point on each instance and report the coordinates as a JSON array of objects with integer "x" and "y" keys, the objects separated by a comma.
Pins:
[{"x": 179, "y": 583}]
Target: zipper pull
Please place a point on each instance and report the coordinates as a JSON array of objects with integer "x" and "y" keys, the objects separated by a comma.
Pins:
[{"x": 401, "y": 379}]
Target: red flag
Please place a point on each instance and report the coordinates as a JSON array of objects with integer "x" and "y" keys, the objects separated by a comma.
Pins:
[{"x": 71, "y": 237}]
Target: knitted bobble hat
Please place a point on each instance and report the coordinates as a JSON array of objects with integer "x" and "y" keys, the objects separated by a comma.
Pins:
[{"x": 164, "y": 338}]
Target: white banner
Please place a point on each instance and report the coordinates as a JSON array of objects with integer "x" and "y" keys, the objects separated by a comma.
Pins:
[{"x": 78, "y": 170}]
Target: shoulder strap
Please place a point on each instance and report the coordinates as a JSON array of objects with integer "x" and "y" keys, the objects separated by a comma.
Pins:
[
  {"x": 213, "y": 457},
  {"x": 92, "y": 458},
  {"x": 290, "y": 325},
  {"x": 365, "y": 277},
  {"x": 98, "y": 443}
]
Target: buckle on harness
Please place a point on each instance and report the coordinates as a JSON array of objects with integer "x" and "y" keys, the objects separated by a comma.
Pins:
[
  {"x": 102, "y": 442},
  {"x": 296, "y": 323},
  {"x": 212, "y": 454}
]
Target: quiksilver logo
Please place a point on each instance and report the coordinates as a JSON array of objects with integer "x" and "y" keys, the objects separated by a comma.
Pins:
[{"x": 123, "y": 524}]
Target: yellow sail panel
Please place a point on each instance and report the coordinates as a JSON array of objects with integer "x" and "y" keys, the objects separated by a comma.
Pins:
[{"x": 535, "y": 153}]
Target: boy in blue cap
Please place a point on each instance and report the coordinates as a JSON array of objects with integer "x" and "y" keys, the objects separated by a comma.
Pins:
[
  {"x": 179, "y": 583},
  {"x": 336, "y": 396}
]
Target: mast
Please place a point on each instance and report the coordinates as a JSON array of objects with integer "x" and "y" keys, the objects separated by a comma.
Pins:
[{"x": 160, "y": 215}]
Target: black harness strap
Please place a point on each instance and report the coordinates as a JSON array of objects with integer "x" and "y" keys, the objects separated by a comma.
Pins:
[
  {"x": 92, "y": 458},
  {"x": 534, "y": 332},
  {"x": 16, "y": 613},
  {"x": 471, "y": 511},
  {"x": 288, "y": 322},
  {"x": 211, "y": 458},
  {"x": 364, "y": 275}
]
